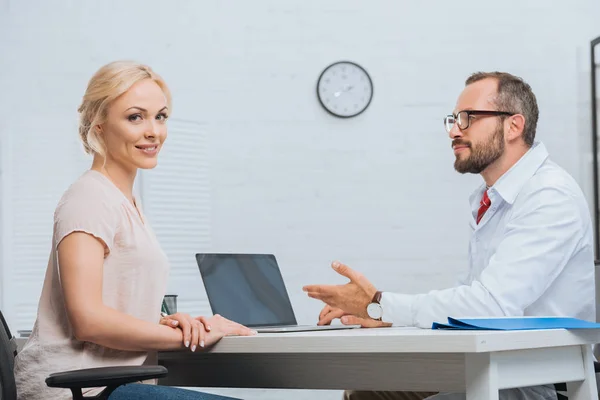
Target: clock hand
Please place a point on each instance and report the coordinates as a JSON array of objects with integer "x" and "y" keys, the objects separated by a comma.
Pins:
[{"x": 346, "y": 88}]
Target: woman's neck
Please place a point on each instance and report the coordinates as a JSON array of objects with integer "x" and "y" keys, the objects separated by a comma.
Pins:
[{"x": 121, "y": 177}]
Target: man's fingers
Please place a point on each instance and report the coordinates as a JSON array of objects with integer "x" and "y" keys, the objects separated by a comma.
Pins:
[
  {"x": 364, "y": 322},
  {"x": 327, "y": 318},
  {"x": 356, "y": 277},
  {"x": 326, "y": 310},
  {"x": 354, "y": 320},
  {"x": 327, "y": 299},
  {"x": 324, "y": 289},
  {"x": 321, "y": 292},
  {"x": 315, "y": 295},
  {"x": 345, "y": 270}
]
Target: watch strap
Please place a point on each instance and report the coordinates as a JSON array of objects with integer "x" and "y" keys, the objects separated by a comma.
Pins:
[{"x": 377, "y": 297}]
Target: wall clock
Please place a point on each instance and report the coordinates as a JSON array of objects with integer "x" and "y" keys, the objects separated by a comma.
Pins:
[{"x": 345, "y": 89}]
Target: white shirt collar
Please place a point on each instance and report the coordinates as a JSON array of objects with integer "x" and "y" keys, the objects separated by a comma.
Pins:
[{"x": 510, "y": 184}]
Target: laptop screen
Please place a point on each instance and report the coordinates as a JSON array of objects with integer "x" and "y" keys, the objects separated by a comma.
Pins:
[{"x": 246, "y": 288}]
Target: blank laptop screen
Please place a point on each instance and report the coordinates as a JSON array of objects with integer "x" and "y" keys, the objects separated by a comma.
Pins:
[{"x": 246, "y": 288}]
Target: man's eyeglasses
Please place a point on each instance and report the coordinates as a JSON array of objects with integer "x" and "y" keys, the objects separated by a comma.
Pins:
[{"x": 463, "y": 118}]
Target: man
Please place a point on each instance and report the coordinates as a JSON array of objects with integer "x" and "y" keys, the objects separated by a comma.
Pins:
[{"x": 531, "y": 249}]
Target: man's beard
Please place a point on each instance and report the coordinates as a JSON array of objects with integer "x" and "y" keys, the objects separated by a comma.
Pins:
[{"x": 482, "y": 155}]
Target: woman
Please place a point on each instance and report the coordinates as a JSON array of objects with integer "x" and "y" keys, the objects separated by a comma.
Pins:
[{"x": 107, "y": 275}]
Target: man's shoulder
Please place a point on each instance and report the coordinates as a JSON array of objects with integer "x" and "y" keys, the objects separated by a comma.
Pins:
[
  {"x": 553, "y": 187},
  {"x": 551, "y": 176}
]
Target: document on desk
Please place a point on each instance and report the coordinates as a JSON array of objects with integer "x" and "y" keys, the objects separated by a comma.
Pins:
[{"x": 515, "y": 323}]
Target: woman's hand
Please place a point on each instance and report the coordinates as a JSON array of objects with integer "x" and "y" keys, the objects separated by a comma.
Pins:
[
  {"x": 221, "y": 327},
  {"x": 194, "y": 330}
]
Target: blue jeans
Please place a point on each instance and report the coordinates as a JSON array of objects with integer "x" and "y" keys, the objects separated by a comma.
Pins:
[{"x": 138, "y": 391}]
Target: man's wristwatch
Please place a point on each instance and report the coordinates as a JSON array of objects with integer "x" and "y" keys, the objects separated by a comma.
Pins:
[{"x": 374, "y": 309}]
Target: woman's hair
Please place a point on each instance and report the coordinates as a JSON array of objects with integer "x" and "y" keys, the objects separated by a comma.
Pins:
[{"x": 108, "y": 83}]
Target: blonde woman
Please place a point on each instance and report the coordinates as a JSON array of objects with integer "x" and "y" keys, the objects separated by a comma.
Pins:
[{"x": 106, "y": 277}]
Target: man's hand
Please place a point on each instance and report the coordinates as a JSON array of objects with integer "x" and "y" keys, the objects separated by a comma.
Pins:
[
  {"x": 329, "y": 313},
  {"x": 353, "y": 297}
]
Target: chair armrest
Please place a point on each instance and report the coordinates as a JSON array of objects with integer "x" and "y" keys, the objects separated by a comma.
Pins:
[{"x": 107, "y": 376}]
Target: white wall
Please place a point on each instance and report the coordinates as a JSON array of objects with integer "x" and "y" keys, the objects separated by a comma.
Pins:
[{"x": 281, "y": 175}]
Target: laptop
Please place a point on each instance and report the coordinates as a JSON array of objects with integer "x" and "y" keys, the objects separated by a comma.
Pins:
[{"x": 249, "y": 289}]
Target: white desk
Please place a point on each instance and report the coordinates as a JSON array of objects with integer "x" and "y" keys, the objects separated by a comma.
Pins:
[{"x": 478, "y": 362}]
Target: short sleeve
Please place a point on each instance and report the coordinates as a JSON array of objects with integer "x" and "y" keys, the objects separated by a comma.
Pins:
[{"x": 89, "y": 209}]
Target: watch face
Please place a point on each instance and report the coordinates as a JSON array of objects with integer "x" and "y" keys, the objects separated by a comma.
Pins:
[
  {"x": 345, "y": 89},
  {"x": 374, "y": 310}
]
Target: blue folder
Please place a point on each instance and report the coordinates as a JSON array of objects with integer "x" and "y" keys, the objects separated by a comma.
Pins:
[{"x": 515, "y": 324}]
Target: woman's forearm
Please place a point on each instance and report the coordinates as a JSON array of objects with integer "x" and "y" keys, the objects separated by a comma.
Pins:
[{"x": 111, "y": 328}]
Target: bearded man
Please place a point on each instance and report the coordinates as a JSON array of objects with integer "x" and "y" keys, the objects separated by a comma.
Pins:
[{"x": 531, "y": 249}]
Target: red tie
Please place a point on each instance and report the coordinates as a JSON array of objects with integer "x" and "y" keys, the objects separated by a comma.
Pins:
[{"x": 484, "y": 204}]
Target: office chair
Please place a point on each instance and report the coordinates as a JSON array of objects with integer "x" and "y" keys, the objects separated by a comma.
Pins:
[{"x": 111, "y": 377}]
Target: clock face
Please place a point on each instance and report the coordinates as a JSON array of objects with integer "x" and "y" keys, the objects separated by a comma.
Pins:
[{"x": 345, "y": 89}]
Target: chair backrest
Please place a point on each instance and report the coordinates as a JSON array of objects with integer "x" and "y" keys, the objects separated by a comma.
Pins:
[{"x": 8, "y": 351}]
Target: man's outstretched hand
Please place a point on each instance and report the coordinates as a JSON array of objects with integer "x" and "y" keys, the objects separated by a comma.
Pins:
[{"x": 351, "y": 298}]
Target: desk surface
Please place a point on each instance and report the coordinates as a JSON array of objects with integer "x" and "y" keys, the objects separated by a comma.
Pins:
[
  {"x": 389, "y": 359},
  {"x": 401, "y": 340},
  {"x": 397, "y": 340}
]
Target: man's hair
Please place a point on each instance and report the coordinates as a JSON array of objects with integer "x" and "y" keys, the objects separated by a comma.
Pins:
[{"x": 513, "y": 95}]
